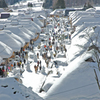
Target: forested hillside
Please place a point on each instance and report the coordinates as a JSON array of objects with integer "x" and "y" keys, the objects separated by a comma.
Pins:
[
  {"x": 48, "y": 4},
  {"x": 12, "y": 1},
  {"x": 69, "y": 3},
  {"x": 2, "y": 4}
]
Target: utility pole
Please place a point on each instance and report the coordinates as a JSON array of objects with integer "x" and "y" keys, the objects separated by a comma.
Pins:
[{"x": 96, "y": 77}]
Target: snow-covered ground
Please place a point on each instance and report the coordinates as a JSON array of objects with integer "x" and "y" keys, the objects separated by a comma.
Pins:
[{"x": 10, "y": 89}]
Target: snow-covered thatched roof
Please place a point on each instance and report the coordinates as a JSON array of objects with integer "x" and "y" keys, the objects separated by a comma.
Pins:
[{"x": 10, "y": 89}]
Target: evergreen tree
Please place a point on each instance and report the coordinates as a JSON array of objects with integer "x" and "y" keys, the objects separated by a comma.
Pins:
[
  {"x": 47, "y": 4},
  {"x": 11, "y": 2},
  {"x": 90, "y": 5},
  {"x": 30, "y": 4},
  {"x": 59, "y": 4},
  {"x": 87, "y": 5},
  {"x": 3, "y": 4}
]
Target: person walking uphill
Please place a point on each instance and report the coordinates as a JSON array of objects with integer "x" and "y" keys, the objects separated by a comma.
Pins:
[
  {"x": 24, "y": 60},
  {"x": 11, "y": 67},
  {"x": 36, "y": 68},
  {"x": 40, "y": 62},
  {"x": 37, "y": 55}
]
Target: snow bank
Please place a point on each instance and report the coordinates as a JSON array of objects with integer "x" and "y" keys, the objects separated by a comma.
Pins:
[
  {"x": 10, "y": 89},
  {"x": 77, "y": 83}
]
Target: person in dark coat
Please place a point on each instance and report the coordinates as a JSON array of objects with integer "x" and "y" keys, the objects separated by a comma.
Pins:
[
  {"x": 22, "y": 65},
  {"x": 38, "y": 55},
  {"x": 40, "y": 62},
  {"x": 40, "y": 68},
  {"x": 14, "y": 64},
  {"x": 1, "y": 72},
  {"x": 24, "y": 61},
  {"x": 55, "y": 63}
]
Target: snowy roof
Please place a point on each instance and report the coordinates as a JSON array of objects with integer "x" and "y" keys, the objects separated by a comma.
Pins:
[
  {"x": 11, "y": 42},
  {"x": 77, "y": 82},
  {"x": 80, "y": 28},
  {"x": 57, "y": 10},
  {"x": 5, "y": 51},
  {"x": 2, "y": 26},
  {"x": 37, "y": 21},
  {"x": 36, "y": 26},
  {"x": 41, "y": 16},
  {"x": 85, "y": 35},
  {"x": 91, "y": 10},
  {"x": 81, "y": 13},
  {"x": 30, "y": 27},
  {"x": 28, "y": 32},
  {"x": 81, "y": 20},
  {"x": 15, "y": 37},
  {"x": 12, "y": 90},
  {"x": 97, "y": 8},
  {"x": 2, "y": 10},
  {"x": 17, "y": 31}
]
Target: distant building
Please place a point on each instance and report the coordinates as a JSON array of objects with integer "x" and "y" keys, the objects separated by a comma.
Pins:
[{"x": 5, "y": 15}]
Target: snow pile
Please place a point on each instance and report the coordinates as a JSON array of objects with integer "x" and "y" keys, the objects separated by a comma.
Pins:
[
  {"x": 77, "y": 83},
  {"x": 10, "y": 89}
]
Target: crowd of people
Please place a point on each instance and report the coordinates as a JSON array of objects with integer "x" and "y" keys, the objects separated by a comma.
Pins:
[
  {"x": 50, "y": 49},
  {"x": 52, "y": 46},
  {"x": 13, "y": 63}
]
